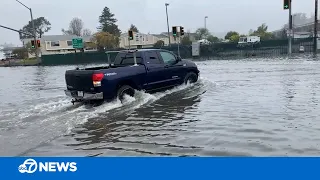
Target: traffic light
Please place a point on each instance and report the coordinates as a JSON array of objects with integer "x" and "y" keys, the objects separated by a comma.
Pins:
[
  {"x": 286, "y": 4},
  {"x": 33, "y": 44},
  {"x": 174, "y": 30},
  {"x": 181, "y": 31},
  {"x": 38, "y": 43},
  {"x": 130, "y": 35}
]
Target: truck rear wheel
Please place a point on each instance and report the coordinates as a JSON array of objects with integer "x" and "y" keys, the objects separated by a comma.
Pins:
[
  {"x": 191, "y": 77},
  {"x": 125, "y": 90}
]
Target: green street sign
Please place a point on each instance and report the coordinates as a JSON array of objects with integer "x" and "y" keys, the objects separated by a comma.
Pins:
[{"x": 77, "y": 43}]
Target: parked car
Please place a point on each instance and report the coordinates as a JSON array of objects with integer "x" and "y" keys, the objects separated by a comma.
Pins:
[
  {"x": 152, "y": 70},
  {"x": 301, "y": 49}
]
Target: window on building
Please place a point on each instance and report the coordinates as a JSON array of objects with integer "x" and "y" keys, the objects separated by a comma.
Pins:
[
  {"x": 55, "y": 43},
  {"x": 69, "y": 43}
]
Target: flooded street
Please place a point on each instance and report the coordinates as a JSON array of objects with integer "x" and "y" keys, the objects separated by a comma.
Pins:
[{"x": 265, "y": 107}]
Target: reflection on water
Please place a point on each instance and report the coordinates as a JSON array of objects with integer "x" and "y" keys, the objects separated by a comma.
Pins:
[
  {"x": 238, "y": 108},
  {"x": 162, "y": 118}
]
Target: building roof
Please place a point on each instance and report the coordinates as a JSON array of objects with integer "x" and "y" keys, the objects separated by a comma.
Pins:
[
  {"x": 166, "y": 33},
  {"x": 63, "y": 37},
  {"x": 141, "y": 50},
  {"x": 159, "y": 35}
]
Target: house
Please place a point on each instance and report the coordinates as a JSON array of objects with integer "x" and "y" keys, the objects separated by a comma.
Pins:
[
  {"x": 141, "y": 40},
  {"x": 58, "y": 44},
  {"x": 192, "y": 36}
]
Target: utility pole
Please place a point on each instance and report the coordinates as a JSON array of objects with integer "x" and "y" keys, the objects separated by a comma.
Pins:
[
  {"x": 34, "y": 29},
  {"x": 205, "y": 22},
  {"x": 167, "y": 4},
  {"x": 179, "y": 46},
  {"x": 290, "y": 29},
  {"x": 315, "y": 33}
]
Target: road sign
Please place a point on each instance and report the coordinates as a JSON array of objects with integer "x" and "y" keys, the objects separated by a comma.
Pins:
[
  {"x": 195, "y": 49},
  {"x": 77, "y": 43},
  {"x": 290, "y": 32}
]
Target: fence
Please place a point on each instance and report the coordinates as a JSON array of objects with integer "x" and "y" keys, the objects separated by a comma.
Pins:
[{"x": 214, "y": 51}]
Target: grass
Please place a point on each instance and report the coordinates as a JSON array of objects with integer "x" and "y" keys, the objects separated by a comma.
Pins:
[{"x": 24, "y": 62}]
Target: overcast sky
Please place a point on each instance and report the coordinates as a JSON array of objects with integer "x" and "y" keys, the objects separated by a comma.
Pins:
[{"x": 149, "y": 15}]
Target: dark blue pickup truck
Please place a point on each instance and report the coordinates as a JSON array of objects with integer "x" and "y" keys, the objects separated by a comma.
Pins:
[{"x": 151, "y": 70}]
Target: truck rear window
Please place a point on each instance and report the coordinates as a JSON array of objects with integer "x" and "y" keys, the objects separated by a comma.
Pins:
[{"x": 124, "y": 59}]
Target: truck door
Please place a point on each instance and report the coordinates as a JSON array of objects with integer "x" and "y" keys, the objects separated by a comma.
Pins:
[
  {"x": 155, "y": 78},
  {"x": 173, "y": 70}
]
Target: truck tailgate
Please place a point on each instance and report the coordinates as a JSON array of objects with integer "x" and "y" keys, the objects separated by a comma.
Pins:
[{"x": 79, "y": 80}]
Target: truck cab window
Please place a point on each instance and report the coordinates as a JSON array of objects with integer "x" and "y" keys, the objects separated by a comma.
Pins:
[
  {"x": 125, "y": 59},
  {"x": 152, "y": 58},
  {"x": 167, "y": 58}
]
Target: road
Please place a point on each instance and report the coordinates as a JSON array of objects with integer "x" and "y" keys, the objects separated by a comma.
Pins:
[{"x": 266, "y": 107}]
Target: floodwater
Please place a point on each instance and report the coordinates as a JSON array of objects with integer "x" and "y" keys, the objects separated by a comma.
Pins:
[{"x": 263, "y": 107}]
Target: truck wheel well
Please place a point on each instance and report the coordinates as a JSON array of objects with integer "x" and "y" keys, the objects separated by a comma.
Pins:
[
  {"x": 127, "y": 82},
  {"x": 192, "y": 71}
]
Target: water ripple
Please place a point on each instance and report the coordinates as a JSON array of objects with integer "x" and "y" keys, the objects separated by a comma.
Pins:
[{"x": 262, "y": 107}]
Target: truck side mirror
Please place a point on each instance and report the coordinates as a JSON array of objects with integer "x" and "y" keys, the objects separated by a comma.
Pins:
[{"x": 179, "y": 59}]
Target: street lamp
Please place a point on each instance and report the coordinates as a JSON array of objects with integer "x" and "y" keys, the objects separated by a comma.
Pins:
[
  {"x": 167, "y": 4},
  {"x": 205, "y": 22},
  {"x": 34, "y": 29}
]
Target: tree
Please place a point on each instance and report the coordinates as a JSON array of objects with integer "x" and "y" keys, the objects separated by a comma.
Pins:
[
  {"x": 234, "y": 38},
  {"x": 262, "y": 32},
  {"x": 250, "y": 31},
  {"x": 231, "y": 33},
  {"x": 105, "y": 40},
  {"x": 86, "y": 32},
  {"x": 213, "y": 39},
  {"x": 41, "y": 25},
  {"x": 186, "y": 41},
  {"x": 133, "y": 28},
  {"x": 21, "y": 53},
  {"x": 107, "y": 22},
  {"x": 75, "y": 27},
  {"x": 159, "y": 44},
  {"x": 201, "y": 33}
]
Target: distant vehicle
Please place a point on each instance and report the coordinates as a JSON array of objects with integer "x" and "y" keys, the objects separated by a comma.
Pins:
[
  {"x": 248, "y": 41},
  {"x": 203, "y": 41},
  {"x": 301, "y": 49},
  {"x": 152, "y": 70}
]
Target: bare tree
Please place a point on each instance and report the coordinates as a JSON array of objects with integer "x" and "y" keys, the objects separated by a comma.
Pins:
[
  {"x": 86, "y": 32},
  {"x": 75, "y": 27}
]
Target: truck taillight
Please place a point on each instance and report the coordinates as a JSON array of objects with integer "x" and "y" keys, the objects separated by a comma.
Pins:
[{"x": 97, "y": 78}]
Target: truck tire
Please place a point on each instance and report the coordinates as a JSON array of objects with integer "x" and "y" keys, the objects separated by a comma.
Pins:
[
  {"x": 125, "y": 89},
  {"x": 191, "y": 77}
]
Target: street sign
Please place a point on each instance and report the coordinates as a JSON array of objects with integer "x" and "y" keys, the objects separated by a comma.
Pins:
[
  {"x": 77, "y": 43},
  {"x": 195, "y": 49},
  {"x": 289, "y": 32},
  {"x": 318, "y": 43}
]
